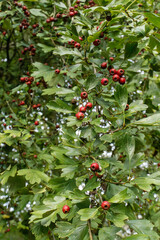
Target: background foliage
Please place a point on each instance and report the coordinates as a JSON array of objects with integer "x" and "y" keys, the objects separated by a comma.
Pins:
[{"x": 46, "y": 164}]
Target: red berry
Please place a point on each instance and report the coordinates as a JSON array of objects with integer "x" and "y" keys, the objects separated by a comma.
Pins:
[
  {"x": 77, "y": 45},
  {"x": 34, "y": 25},
  {"x": 104, "y": 81},
  {"x": 34, "y": 106},
  {"x": 22, "y": 103},
  {"x": 96, "y": 42},
  {"x": 88, "y": 106},
  {"x": 38, "y": 105},
  {"x": 79, "y": 116},
  {"x": 37, "y": 83},
  {"x": 116, "y": 77},
  {"x": 35, "y": 156},
  {"x": 48, "y": 20},
  {"x": 112, "y": 71},
  {"x": 122, "y": 81},
  {"x": 84, "y": 95},
  {"x": 94, "y": 167},
  {"x": 80, "y": 38},
  {"x": 66, "y": 209},
  {"x": 4, "y": 33},
  {"x": 111, "y": 59},
  {"x": 71, "y": 14},
  {"x": 158, "y": 164},
  {"x": 57, "y": 126},
  {"x": 20, "y": 59},
  {"x": 105, "y": 205},
  {"x": 71, "y": 9},
  {"x": 72, "y": 42},
  {"x": 22, "y": 79},
  {"x": 57, "y": 71},
  {"x": 120, "y": 72},
  {"x": 78, "y": 1},
  {"x": 58, "y": 15},
  {"x": 4, "y": 124},
  {"x": 36, "y": 123},
  {"x": 24, "y": 8},
  {"x": 127, "y": 107},
  {"x": 52, "y": 19},
  {"x": 82, "y": 109},
  {"x": 104, "y": 65}
]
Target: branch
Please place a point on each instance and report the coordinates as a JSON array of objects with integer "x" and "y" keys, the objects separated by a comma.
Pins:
[{"x": 89, "y": 229}]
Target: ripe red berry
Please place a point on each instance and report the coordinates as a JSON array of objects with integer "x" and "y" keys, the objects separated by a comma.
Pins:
[
  {"x": 48, "y": 20},
  {"x": 89, "y": 106},
  {"x": 77, "y": 45},
  {"x": 120, "y": 72},
  {"x": 24, "y": 8},
  {"x": 58, "y": 15},
  {"x": 72, "y": 42},
  {"x": 111, "y": 59},
  {"x": 22, "y": 79},
  {"x": 4, "y": 33},
  {"x": 22, "y": 103},
  {"x": 35, "y": 156},
  {"x": 37, "y": 83},
  {"x": 127, "y": 107},
  {"x": 82, "y": 109},
  {"x": 104, "y": 65},
  {"x": 4, "y": 124},
  {"x": 71, "y": 14},
  {"x": 20, "y": 59},
  {"x": 104, "y": 81},
  {"x": 116, "y": 77},
  {"x": 38, "y": 105},
  {"x": 71, "y": 9},
  {"x": 112, "y": 71},
  {"x": 158, "y": 164},
  {"x": 79, "y": 116},
  {"x": 122, "y": 80},
  {"x": 84, "y": 95},
  {"x": 57, "y": 71},
  {"x": 80, "y": 38},
  {"x": 52, "y": 19},
  {"x": 105, "y": 205},
  {"x": 36, "y": 123},
  {"x": 96, "y": 42},
  {"x": 66, "y": 209},
  {"x": 78, "y": 1},
  {"x": 94, "y": 167},
  {"x": 34, "y": 106}
]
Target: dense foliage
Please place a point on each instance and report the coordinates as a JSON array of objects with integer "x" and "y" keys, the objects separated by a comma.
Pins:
[{"x": 80, "y": 118}]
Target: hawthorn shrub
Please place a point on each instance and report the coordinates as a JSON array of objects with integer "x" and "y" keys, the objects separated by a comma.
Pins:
[{"x": 80, "y": 101}]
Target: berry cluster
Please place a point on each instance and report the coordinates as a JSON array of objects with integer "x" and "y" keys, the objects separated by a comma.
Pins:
[{"x": 88, "y": 106}]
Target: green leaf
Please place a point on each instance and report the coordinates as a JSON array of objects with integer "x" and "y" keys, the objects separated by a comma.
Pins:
[
  {"x": 64, "y": 229},
  {"x": 59, "y": 106},
  {"x": 145, "y": 183},
  {"x": 121, "y": 96},
  {"x": 45, "y": 48},
  {"x": 58, "y": 91},
  {"x": 153, "y": 18},
  {"x": 60, "y": 5},
  {"x": 137, "y": 237},
  {"x": 37, "y": 12},
  {"x": 88, "y": 213},
  {"x": 91, "y": 184},
  {"x": 9, "y": 172},
  {"x": 143, "y": 227},
  {"x": 108, "y": 233},
  {"x": 43, "y": 71},
  {"x": 65, "y": 51},
  {"x": 131, "y": 49},
  {"x": 120, "y": 197},
  {"x": 153, "y": 120},
  {"x": 33, "y": 175},
  {"x": 91, "y": 82},
  {"x": 129, "y": 145}
]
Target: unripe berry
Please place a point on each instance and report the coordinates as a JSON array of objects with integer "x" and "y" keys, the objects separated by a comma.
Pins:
[
  {"x": 116, "y": 77},
  {"x": 89, "y": 106},
  {"x": 104, "y": 81},
  {"x": 66, "y": 209},
  {"x": 84, "y": 95},
  {"x": 105, "y": 205},
  {"x": 79, "y": 116},
  {"x": 104, "y": 65},
  {"x": 94, "y": 167}
]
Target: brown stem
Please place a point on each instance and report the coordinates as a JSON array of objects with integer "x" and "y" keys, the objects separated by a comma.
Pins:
[{"x": 89, "y": 229}]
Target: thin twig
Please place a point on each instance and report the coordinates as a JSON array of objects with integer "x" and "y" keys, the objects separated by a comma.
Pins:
[{"x": 89, "y": 229}]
